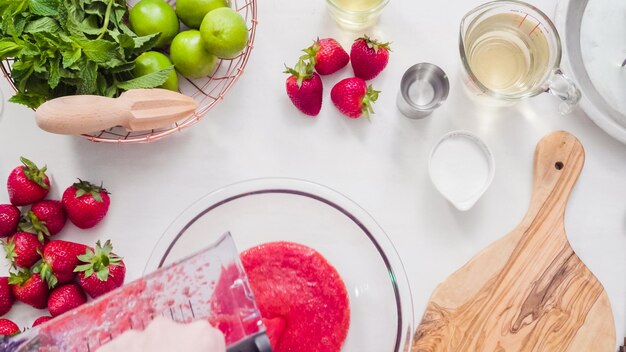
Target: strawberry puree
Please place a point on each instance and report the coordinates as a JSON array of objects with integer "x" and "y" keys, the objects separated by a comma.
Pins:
[{"x": 301, "y": 297}]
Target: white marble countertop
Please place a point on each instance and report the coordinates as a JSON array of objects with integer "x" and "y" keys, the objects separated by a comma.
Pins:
[{"x": 382, "y": 164}]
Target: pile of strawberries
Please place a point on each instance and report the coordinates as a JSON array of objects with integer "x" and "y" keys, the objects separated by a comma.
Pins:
[
  {"x": 352, "y": 96},
  {"x": 47, "y": 273}
]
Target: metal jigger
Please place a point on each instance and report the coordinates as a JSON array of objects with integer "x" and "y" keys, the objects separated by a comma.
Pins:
[{"x": 424, "y": 87}]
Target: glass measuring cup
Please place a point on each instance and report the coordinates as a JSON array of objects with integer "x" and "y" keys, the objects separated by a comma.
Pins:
[{"x": 511, "y": 51}]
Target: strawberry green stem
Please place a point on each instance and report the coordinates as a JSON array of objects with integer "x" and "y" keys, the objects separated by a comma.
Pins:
[
  {"x": 302, "y": 70},
  {"x": 34, "y": 173},
  {"x": 98, "y": 261},
  {"x": 374, "y": 44},
  {"x": 20, "y": 277},
  {"x": 368, "y": 100},
  {"x": 9, "y": 250},
  {"x": 31, "y": 223},
  {"x": 45, "y": 271},
  {"x": 311, "y": 52},
  {"x": 85, "y": 187}
]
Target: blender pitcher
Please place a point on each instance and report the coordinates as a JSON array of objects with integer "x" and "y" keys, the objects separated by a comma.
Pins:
[{"x": 511, "y": 51}]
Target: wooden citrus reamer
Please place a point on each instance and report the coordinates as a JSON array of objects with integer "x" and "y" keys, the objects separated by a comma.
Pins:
[
  {"x": 136, "y": 110},
  {"x": 528, "y": 291}
]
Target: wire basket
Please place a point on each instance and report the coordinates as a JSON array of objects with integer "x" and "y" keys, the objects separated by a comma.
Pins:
[{"x": 206, "y": 91}]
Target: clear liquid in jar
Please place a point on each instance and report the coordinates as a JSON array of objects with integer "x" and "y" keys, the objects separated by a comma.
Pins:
[
  {"x": 508, "y": 53},
  {"x": 358, "y": 5}
]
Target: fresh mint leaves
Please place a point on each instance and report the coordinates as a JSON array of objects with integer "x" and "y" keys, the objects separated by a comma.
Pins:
[
  {"x": 66, "y": 47},
  {"x": 147, "y": 81}
]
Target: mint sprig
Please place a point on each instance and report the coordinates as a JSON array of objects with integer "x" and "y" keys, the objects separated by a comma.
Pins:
[{"x": 71, "y": 47}]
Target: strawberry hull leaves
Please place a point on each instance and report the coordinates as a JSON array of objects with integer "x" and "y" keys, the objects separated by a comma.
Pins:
[
  {"x": 65, "y": 47},
  {"x": 102, "y": 272}
]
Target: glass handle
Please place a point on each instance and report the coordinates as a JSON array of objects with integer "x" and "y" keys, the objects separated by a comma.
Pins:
[{"x": 563, "y": 88}]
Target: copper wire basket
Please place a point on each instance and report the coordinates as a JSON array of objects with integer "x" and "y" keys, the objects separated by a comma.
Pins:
[{"x": 206, "y": 91}]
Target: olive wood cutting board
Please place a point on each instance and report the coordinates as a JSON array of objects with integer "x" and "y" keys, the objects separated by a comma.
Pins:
[{"x": 528, "y": 291}]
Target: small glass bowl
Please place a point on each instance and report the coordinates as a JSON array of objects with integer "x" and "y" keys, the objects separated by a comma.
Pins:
[{"x": 356, "y": 19}]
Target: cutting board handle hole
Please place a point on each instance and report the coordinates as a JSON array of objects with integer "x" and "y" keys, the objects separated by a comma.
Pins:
[{"x": 558, "y": 165}]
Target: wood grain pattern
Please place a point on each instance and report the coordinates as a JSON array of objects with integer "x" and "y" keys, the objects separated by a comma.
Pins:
[
  {"x": 528, "y": 291},
  {"x": 136, "y": 110}
]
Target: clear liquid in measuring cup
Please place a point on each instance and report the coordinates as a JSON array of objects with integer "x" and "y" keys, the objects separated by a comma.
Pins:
[{"x": 508, "y": 53}]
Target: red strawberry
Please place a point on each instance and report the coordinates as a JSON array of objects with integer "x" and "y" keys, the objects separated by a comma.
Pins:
[
  {"x": 65, "y": 298},
  {"x": 41, "y": 320},
  {"x": 103, "y": 271},
  {"x": 6, "y": 296},
  {"x": 23, "y": 249},
  {"x": 327, "y": 55},
  {"x": 45, "y": 218},
  {"x": 85, "y": 204},
  {"x": 27, "y": 184},
  {"x": 60, "y": 259},
  {"x": 8, "y": 328},
  {"x": 30, "y": 289},
  {"x": 9, "y": 219},
  {"x": 369, "y": 57},
  {"x": 353, "y": 97},
  {"x": 304, "y": 88}
]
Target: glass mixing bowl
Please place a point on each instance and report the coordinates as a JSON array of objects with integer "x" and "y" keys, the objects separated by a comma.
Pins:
[
  {"x": 266, "y": 210},
  {"x": 593, "y": 51}
]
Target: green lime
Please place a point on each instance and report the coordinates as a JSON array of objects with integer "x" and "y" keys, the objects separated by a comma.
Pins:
[
  {"x": 154, "y": 16},
  {"x": 224, "y": 32},
  {"x": 152, "y": 61},
  {"x": 190, "y": 57},
  {"x": 191, "y": 12}
]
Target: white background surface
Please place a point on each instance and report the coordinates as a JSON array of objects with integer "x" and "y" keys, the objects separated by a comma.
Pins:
[{"x": 382, "y": 164}]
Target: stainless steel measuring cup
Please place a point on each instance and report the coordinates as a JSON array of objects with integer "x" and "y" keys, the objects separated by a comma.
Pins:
[
  {"x": 424, "y": 87},
  {"x": 511, "y": 51}
]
